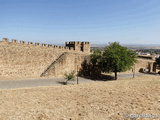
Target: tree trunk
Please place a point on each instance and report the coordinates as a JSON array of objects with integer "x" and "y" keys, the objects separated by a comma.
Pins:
[
  {"x": 115, "y": 75},
  {"x": 115, "y": 71}
]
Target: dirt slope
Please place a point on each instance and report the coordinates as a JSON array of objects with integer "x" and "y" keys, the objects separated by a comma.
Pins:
[{"x": 90, "y": 101}]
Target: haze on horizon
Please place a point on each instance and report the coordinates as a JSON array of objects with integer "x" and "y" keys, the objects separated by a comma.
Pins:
[{"x": 96, "y": 21}]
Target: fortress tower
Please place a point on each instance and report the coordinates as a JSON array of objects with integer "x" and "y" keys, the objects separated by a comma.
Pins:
[{"x": 79, "y": 46}]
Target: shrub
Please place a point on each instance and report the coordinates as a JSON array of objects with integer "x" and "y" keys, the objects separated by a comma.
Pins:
[{"x": 69, "y": 76}]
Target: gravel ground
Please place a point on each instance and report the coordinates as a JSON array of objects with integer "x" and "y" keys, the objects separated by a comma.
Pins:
[{"x": 10, "y": 84}]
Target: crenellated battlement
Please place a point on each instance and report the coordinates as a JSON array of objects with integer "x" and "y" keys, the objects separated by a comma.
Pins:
[
  {"x": 22, "y": 42},
  {"x": 79, "y": 46},
  {"x": 37, "y": 44},
  {"x": 5, "y": 39},
  {"x": 72, "y": 46},
  {"x": 30, "y": 43},
  {"x": 31, "y": 59},
  {"x": 50, "y": 45},
  {"x": 55, "y": 46},
  {"x": 44, "y": 45},
  {"x": 14, "y": 41}
]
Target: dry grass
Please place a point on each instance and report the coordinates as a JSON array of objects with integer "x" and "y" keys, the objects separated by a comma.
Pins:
[{"x": 90, "y": 101}]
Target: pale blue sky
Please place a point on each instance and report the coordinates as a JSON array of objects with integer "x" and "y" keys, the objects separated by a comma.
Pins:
[{"x": 97, "y": 21}]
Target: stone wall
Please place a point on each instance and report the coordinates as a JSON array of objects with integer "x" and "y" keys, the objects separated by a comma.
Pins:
[
  {"x": 21, "y": 60},
  {"x": 144, "y": 64},
  {"x": 66, "y": 63},
  {"x": 31, "y": 60},
  {"x": 79, "y": 46}
]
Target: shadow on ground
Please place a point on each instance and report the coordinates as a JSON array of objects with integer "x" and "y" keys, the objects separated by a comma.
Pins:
[
  {"x": 66, "y": 83},
  {"x": 62, "y": 82},
  {"x": 101, "y": 77},
  {"x": 149, "y": 73}
]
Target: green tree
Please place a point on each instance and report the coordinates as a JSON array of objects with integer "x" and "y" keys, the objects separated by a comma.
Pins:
[
  {"x": 117, "y": 58},
  {"x": 96, "y": 56},
  {"x": 95, "y": 66}
]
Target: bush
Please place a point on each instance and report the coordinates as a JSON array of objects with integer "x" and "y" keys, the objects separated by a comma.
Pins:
[{"x": 69, "y": 76}]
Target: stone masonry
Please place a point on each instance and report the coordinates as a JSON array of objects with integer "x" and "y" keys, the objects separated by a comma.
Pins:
[{"x": 30, "y": 60}]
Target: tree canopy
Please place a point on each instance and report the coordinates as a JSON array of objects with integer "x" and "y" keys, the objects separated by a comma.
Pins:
[
  {"x": 95, "y": 67},
  {"x": 96, "y": 56},
  {"x": 115, "y": 58}
]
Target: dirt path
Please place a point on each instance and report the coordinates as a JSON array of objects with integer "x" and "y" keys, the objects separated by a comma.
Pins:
[{"x": 11, "y": 84}]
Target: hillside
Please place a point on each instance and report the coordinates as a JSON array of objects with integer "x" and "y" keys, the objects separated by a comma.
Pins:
[{"x": 108, "y": 100}]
